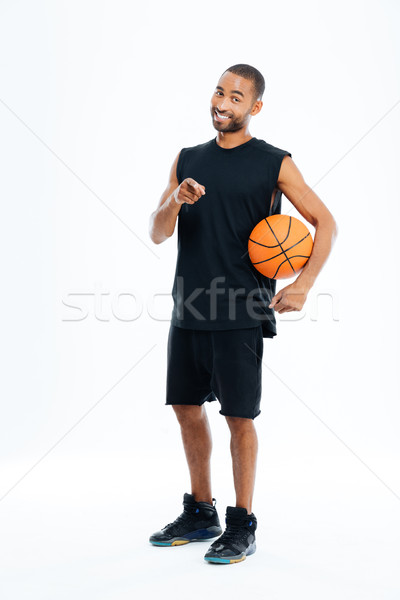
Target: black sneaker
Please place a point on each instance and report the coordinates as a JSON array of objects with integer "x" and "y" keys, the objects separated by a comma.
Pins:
[
  {"x": 238, "y": 539},
  {"x": 198, "y": 522}
]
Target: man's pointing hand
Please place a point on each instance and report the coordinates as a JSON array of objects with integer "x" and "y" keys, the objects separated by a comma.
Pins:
[{"x": 189, "y": 191}]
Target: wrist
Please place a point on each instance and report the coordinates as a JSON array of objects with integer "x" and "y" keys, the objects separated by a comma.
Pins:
[
  {"x": 173, "y": 202},
  {"x": 305, "y": 281}
]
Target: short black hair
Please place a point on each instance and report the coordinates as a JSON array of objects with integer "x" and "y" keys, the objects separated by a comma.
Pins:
[{"x": 249, "y": 72}]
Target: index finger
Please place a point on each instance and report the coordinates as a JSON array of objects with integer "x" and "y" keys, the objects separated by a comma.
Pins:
[
  {"x": 191, "y": 182},
  {"x": 195, "y": 187}
]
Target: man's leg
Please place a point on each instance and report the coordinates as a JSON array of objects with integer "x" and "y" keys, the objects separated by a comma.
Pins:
[
  {"x": 244, "y": 447},
  {"x": 196, "y": 437}
]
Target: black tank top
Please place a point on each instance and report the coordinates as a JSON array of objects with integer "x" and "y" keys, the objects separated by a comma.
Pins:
[{"x": 216, "y": 286}]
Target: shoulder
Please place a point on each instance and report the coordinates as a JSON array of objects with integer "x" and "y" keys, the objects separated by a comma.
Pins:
[
  {"x": 194, "y": 152},
  {"x": 197, "y": 147},
  {"x": 189, "y": 156},
  {"x": 270, "y": 149}
]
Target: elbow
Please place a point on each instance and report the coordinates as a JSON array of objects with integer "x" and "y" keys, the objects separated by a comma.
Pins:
[
  {"x": 327, "y": 222},
  {"x": 156, "y": 235},
  {"x": 156, "y": 239},
  {"x": 151, "y": 230}
]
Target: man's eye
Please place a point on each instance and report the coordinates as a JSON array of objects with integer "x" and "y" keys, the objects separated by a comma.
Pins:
[{"x": 237, "y": 99}]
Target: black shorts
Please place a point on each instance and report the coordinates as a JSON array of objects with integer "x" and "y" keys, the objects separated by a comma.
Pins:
[{"x": 224, "y": 365}]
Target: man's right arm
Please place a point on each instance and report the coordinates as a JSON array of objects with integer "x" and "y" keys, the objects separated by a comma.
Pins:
[{"x": 163, "y": 219}]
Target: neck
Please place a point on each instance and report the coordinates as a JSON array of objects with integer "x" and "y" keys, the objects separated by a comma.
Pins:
[{"x": 230, "y": 139}]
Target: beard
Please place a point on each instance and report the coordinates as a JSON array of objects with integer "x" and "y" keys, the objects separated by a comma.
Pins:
[{"x": 232, "y": 124}]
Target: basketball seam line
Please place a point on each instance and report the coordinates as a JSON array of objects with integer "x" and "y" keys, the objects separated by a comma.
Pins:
[
  {"x": 283, "y": 252},
  {"x": 273, "y": 232}
]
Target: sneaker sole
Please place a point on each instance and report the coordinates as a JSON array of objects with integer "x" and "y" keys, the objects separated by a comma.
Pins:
[
  {"x": 200, "y": 535},
  {"x": 233, "y": 559}
]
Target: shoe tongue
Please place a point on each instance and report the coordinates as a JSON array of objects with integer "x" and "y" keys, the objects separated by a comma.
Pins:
[
  {"x": 236, "y": 511},
  {"x": 188, "y": 498}
]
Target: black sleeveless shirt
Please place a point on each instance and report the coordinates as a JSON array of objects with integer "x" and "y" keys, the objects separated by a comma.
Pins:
[{"x": 216, "y": 286}]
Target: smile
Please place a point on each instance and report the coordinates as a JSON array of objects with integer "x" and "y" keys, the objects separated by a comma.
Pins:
[{"x": 219, "y": 117}]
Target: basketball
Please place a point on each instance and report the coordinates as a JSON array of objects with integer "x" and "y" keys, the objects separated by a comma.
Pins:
[{"x": 279, "y": 246}]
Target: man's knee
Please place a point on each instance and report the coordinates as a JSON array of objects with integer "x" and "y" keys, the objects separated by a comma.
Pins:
[
  {"x": 239, "y": 424},
  {"x": 188, "y": 413}
]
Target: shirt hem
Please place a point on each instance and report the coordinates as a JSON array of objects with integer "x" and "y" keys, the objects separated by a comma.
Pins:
[{"x": 223, "y": 325}]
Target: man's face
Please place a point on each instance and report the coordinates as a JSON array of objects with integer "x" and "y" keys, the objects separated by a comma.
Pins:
[{"x": 232, "y": 103}]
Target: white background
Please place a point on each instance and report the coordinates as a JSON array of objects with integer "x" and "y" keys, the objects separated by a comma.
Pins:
[{"x": 96, "y": 99}]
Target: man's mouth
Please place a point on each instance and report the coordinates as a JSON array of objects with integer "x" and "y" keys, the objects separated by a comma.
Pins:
[{"x": 219, "y": 117}]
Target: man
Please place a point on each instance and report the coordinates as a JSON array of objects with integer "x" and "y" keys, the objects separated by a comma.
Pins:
[{"x": 223, "y": 307}]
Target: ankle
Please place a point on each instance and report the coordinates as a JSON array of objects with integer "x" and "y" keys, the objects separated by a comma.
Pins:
[
  {"x": 246, "y": 506},
  {"x": 203, "y": 498}
]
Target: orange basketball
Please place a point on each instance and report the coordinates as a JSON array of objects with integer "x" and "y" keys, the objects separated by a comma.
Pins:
[{"x": 279, "y": 246}]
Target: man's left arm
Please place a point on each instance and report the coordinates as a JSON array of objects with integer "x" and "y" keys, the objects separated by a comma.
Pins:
[{"x": 311, "y": 207}]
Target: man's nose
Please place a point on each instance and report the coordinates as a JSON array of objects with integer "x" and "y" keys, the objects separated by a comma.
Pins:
[{"x": 221, "y": 104}]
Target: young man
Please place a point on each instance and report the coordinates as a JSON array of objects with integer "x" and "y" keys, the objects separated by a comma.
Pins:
[{"x": 223, "y": 307}]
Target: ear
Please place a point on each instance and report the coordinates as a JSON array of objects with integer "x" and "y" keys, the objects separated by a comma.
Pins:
[{"x": 257, "y": 106}]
